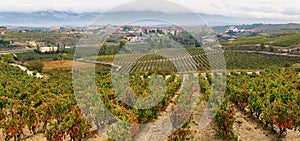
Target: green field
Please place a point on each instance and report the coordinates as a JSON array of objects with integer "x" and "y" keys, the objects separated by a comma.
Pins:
[
  {"x": 235, "y": 60},
  {"x": 283, "y": 41}
]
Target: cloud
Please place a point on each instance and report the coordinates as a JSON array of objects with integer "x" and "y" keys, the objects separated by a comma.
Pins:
[
  {"x": 59, "y": 5},
  {"x": 291, "y": 11},
  {"x": 246, "y": 8}
]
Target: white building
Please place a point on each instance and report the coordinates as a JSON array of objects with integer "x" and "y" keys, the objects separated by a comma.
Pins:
[{"x": 48, "y": 49}]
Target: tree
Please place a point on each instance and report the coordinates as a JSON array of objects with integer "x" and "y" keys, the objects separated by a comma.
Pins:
[
  {"x": 58, "y": 47},
  {"x": 64, "y": 48},
  {"x": 122, "y": 43},
  {"x": 38, "y": 49},
  {"x": 35, "y": 65},
  {"x": 105, "y": 46},
  {"x": 287, "y": 64},
  {"x": 262, "y": 46},
  {"x": 63, "y": 56},
  {"x": 271, "y": 48},
  {"x": 9, "y": 58}
]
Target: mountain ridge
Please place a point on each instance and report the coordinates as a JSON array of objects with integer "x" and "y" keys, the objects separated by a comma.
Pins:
[{"x": 68, "y": 18}]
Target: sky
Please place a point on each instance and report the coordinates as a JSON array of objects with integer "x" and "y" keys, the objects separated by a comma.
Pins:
[{"x": 287, "y": 9}]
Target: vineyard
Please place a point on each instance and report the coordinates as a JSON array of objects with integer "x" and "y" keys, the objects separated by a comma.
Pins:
[
  {"x": 197, "y": 57},
  {"x": 31, "y": 106},
  {"x": 47, "y": 107},
  {"x": 283, "y": 41},
  {"x": 272, "y": 96},
  {"x": 270, "y": 107}
]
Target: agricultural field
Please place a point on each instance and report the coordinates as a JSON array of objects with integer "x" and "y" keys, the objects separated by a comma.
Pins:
[
  {"x": 14, "y": 39},
  {"x": 38, "y": 35},
  {"x": 234, "y": 60},
  {"x": 281, "y": 41},
  {"x": 54, "y": 114},
  {"x": 47, "y": 108},
  {"x": 272, "y": 97},
  {"x": 31, "y": 56},
  {"x": 34, "y": 106},
  {"x": 100, "y": 70}
]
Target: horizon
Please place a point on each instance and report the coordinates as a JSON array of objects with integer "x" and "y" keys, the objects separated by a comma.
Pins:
[
  {"x": 78, "y": 13},
  {"x": 46, "y": 19},
  {"x": 232, "y": 8}
]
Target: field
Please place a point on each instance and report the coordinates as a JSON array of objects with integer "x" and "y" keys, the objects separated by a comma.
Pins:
[
  {"x": 282, "y": 41},
  {"x": 30, "y": 56},
  {"x": 67, "y": 64},
  {"x": 21, "y": 39},
  {"x": 263, "y": 100},
  {"x": 255, "y": 61},
  {"x": 234, "y": 60},
  {"x": 33, "y": 35},
  {"x": 25, "y": 101},
  {"x": 270, "y": 96}
]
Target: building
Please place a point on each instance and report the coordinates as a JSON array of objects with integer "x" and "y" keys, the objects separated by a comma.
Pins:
[
  {"x": 3, "y": 29},
  {"x": 209, "y": 39},
  {"x": 131, "y": 38},
  {"x": 56, "y": 29},
  {"x": 232, "y": 30},
  {"x": 47, "y": 49},
  {"x": 94, "y": 27}
]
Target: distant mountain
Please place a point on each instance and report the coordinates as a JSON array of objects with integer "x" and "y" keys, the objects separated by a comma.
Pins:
[
  {"x": 46, "y": 18},
  {"x": 65, "y": 18}
]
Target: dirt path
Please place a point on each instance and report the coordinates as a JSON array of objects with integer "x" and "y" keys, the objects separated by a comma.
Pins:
[
  {"x": 249, "y": 129},
  {"x": 30, "y": 73},
  {"x": 205, "y": 134},
  {"x": 163, "y": 125}
]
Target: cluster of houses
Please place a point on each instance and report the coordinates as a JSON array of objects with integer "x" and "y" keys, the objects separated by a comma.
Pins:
[
  {"x": 110, "y": 29},
  {"x": 131, "y": 33},
  {"x": 232, "y": 31},
  {"x": 69, "y": 30}
]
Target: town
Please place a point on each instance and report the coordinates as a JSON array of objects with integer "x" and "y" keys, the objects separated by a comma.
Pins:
[{"x": 130, "y": 33}]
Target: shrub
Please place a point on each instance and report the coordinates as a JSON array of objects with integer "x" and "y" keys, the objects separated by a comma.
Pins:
[
  {"x": 225, "y": 120},
  {"x": 34, "y": 73},
  {"x": 262, "y": 46},
  {"x": 287, "y": 64},
  {"x": 9, "y": 58},
  {"x": 35, "y": 65}
]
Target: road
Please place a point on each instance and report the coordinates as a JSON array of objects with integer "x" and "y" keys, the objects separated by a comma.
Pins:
[
  {"x": 98, "y": 62},
  {"x": 17, "y": 50},
  {"x": 269, "y": 53}
]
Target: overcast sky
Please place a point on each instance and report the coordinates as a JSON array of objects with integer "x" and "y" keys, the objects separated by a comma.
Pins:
[{"x": 289, "y": 9}]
